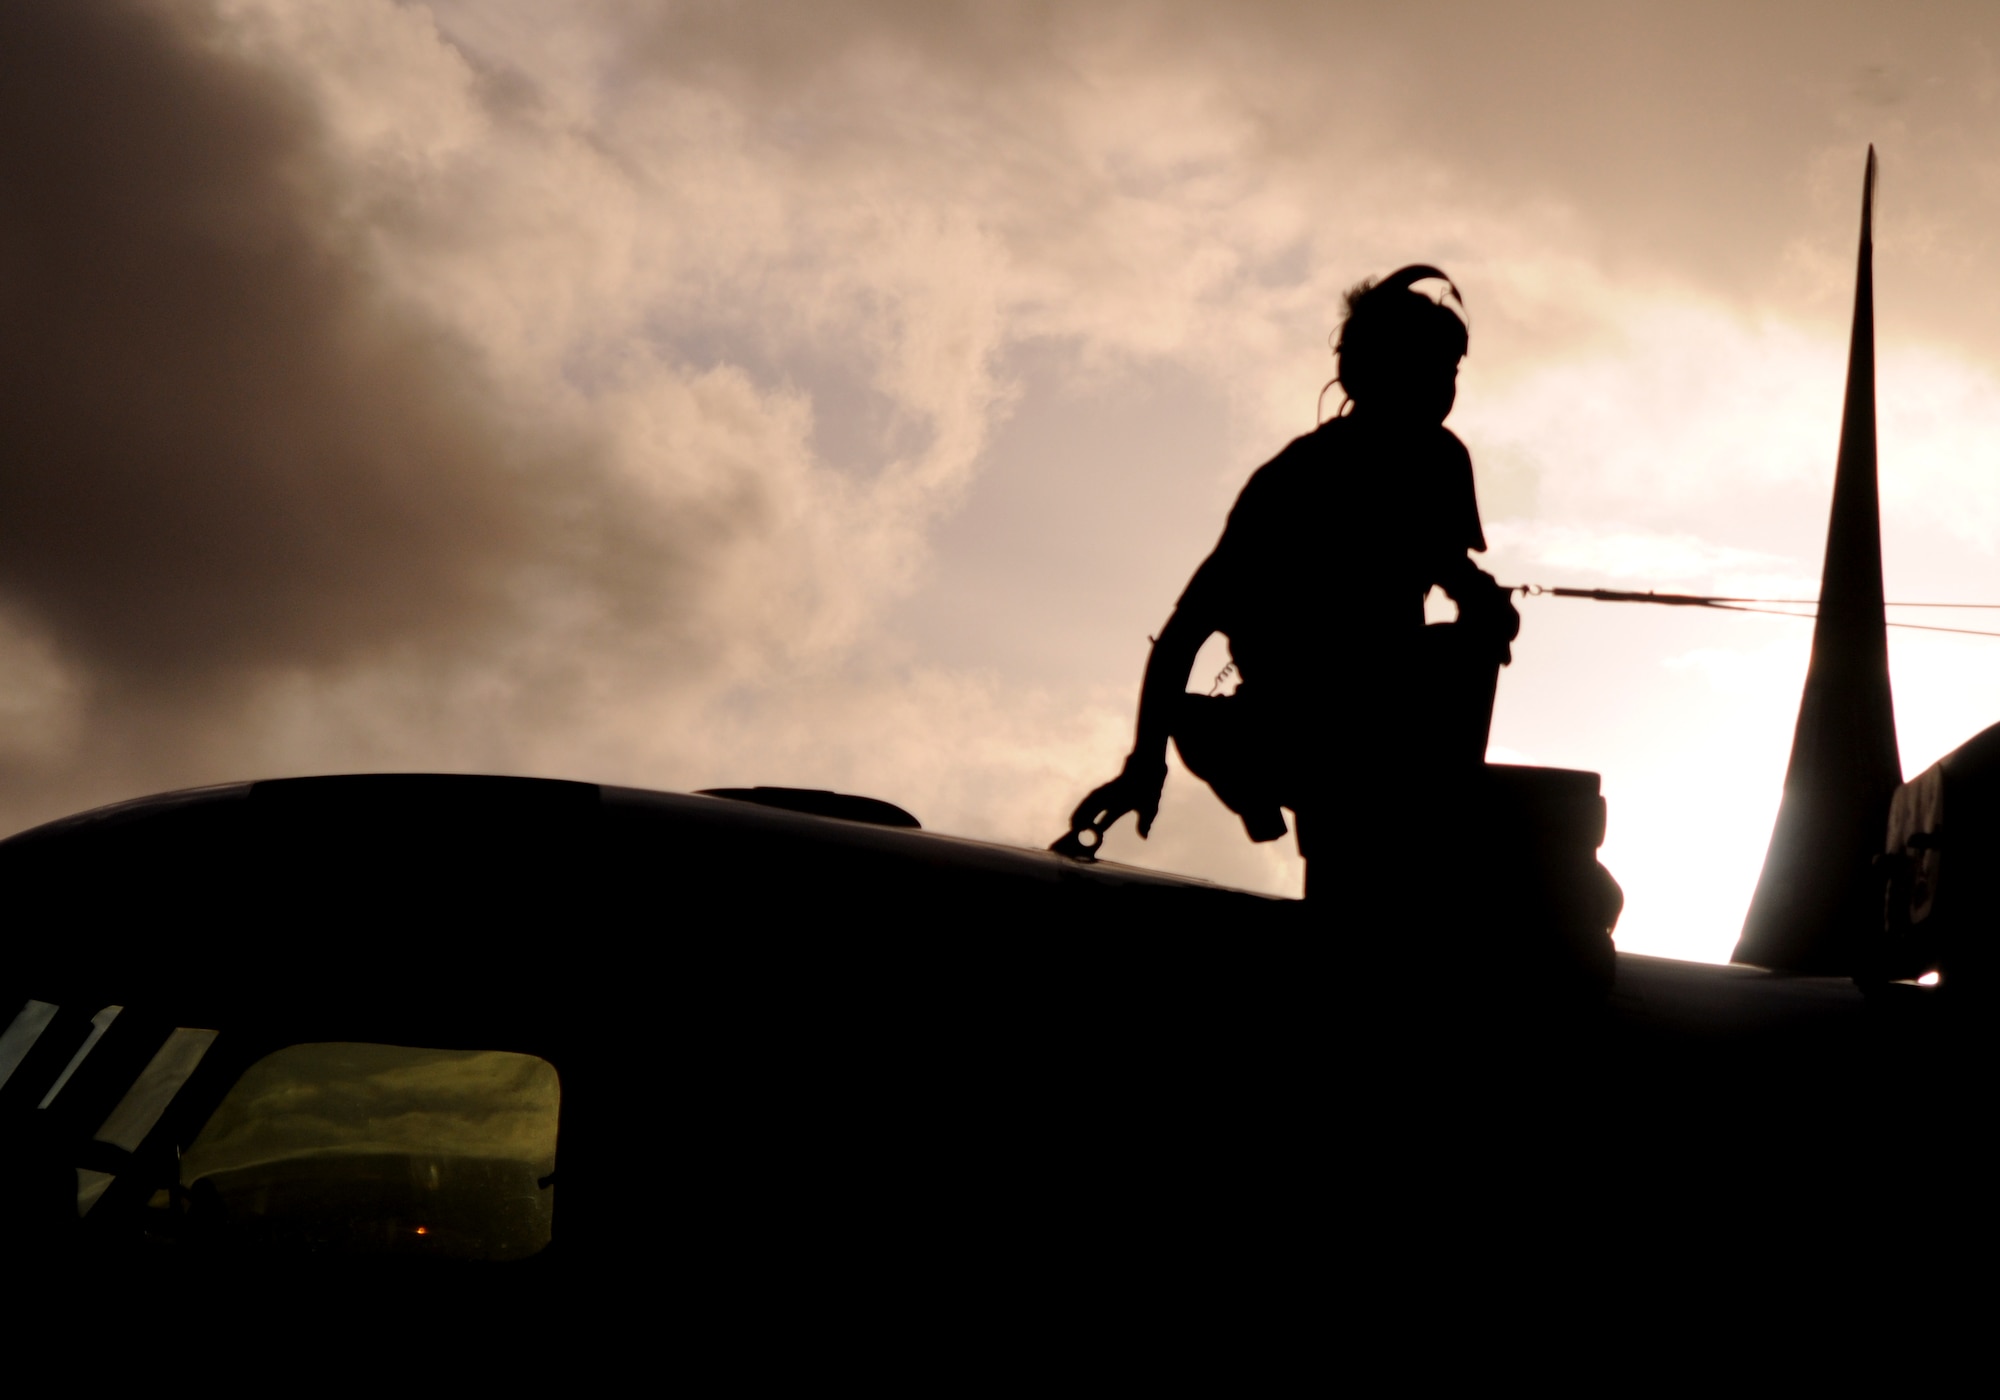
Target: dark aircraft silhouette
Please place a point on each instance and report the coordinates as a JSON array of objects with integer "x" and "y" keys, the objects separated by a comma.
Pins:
[{"x": 812, "y": 1082}]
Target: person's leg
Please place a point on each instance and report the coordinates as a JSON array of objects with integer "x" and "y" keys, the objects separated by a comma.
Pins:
[{"x": 1220, "y": 741}]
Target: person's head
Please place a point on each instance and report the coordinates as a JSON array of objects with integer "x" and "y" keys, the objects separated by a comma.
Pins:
[{"x": 1399, "y": 350}]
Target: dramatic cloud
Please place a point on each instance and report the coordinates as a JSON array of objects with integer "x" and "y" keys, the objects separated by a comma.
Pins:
[
  {"x": 304, "y": 464},
  {"x": 225, "y": 452}
]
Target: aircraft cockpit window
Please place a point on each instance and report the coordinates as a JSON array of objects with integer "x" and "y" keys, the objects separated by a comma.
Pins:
[
  {"x": 99, "y": 1024},
  {"x": 21, "y": 1034},
  {"x": 348, "y": 1148},
  {"x": 147, "y": 1098}
]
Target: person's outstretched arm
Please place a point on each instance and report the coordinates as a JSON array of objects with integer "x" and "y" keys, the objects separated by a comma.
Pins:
[
  {"x": 1210, "y": 600},
  {"x": 1137, "y": 787}
]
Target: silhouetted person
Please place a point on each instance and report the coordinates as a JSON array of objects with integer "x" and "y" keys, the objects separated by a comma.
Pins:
[{"x": 1351, "y": 712}]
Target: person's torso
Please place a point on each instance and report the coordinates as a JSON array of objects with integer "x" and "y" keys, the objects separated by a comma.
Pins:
[{"x": 1335, "y": 543}]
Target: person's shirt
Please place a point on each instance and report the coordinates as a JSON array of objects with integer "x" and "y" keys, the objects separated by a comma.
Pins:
[{"x": 1332, "y": 546}]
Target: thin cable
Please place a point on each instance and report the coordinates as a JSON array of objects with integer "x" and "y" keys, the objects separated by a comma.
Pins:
[
  {"x": 1697, "y": 600},
  {"x": 1776, "y": 612},
  {"x": 1692, "y": 600},
  {"x": 1962, "y": 631},
  {"x": 1814, "y": 602},
  {"x": 1809, "y": 617}
]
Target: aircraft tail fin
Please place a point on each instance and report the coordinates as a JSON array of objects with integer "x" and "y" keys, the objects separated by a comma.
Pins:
[{"x": 1816, "y": 893}]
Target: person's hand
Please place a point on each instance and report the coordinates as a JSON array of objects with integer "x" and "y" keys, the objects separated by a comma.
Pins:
[
  {"x": 1489, "y": 611},
  {"x": 1137, "y": 789}
]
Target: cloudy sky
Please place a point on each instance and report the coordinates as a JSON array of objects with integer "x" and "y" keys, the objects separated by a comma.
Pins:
[{"x": 837, "y": 394}]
